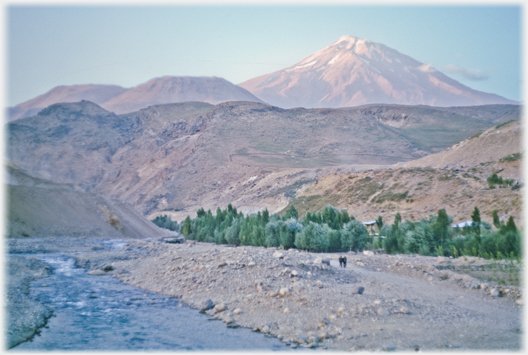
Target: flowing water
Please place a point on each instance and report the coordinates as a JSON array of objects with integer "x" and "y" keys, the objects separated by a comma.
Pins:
[{"x": 100, "y": 313}]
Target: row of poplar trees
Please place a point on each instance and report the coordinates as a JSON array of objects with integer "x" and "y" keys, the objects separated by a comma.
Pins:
[{"x": 331, "y": 230}]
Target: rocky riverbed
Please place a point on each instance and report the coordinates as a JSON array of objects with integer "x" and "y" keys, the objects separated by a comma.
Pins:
[{"x": 378, "y": 302}]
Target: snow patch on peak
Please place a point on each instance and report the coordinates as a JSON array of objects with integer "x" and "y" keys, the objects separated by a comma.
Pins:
[
  {"x": 302, "y": 66},
  {"x": 333, "y": 59},
  {"x": 346, "y": 38}
]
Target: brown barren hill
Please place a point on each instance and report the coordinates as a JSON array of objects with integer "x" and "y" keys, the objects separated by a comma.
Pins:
[{"x": 455, "y": 179}]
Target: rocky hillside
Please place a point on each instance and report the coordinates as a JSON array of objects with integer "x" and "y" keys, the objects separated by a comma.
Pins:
[
  {"x": 174, "y": 159},
  {"x": 455, "y": 179},
  {"x": 40, "y": 207},
  {"x": 354, "y": 71}
]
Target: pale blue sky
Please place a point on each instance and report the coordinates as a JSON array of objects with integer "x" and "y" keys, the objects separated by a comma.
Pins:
[{"x": 479, "y": 46}]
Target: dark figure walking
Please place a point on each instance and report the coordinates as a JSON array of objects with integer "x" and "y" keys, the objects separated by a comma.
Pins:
[
  {"x": 340, "y": 261},
  {"x": 344, "y": 261}
]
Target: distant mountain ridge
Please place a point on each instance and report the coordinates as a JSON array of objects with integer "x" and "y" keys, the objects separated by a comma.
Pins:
[
  {"x": 163, "y": 90},
  {"x": 353, "y": 71},
  {"x": 172, "y": 89},
  {"x": 97, "y": 94}
]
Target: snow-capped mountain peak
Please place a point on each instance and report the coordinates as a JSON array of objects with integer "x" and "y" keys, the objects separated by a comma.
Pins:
[{"x": 354, "y": 71}]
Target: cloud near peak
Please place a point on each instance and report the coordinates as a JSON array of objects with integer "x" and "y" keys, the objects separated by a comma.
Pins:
[{"x": 469, "y": 74}]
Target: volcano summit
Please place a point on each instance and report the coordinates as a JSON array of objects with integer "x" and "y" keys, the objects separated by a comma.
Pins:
[{"x": 354, "y": 71}]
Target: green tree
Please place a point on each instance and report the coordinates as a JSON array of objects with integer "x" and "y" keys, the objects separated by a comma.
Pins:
[
  {"x": 233, "y": 232},
  {"x": 441, "y": 228},
  {"x": 510, "y": 225},
  {"x": 345, "y": 218},
  {"x": 186, "y": 227},
  {"x": 331, "y": 216},
  {"x": 288, "y": 231},
  {"x": 334, "y": 238},
  {"x": 475, "y": 217},
  {"x": 354, "y": 236},
  {"x": 496, "y": 220},
  {"x": 379, "y": 223},
  {"x": 291, "y": 213},
  {"x": 273, "y": 233},
  {"x": 312, "y": 238}
]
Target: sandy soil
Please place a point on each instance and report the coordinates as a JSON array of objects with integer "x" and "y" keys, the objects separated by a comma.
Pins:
[{"x": 408, "y": 302}]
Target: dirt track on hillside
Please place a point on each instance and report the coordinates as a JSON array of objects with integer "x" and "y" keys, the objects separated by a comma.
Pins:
[{"x": 408, "y": 301}]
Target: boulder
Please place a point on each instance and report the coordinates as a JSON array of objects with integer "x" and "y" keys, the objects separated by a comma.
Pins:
[
  {"x": 206, "y": 305},
  {"x": 278, "y": 255}
]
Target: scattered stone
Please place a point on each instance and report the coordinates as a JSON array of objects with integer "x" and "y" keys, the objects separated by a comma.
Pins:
[
  {"x": 286, "y": 310},
  {"x": 383, "y": 312},
  {"x": 360, "y": 290},
  {"x": 389, "y": 348},
  {"x": 494, "y": 292},
  {"x": 265, "y": 329},
  {"x": 220, "y": 307},
  {"x": 302, "y": 339},
  {"x": 294, "y": 273},
  {"x": 404, "y": 310},
  {"x": 326, "y": 261},
  {"x": 96, "y": 272},
  {"x": 222, "y": 264},
  {"x": 237, "y": 311},
  {"x": 473, "y": 285},
  {"x": 519, "y": 302},
  {"x": 324, "y": 322},
  {"x": 284, "y": 291},
  {"x": 298, "y": 287},
  {"x": 108, "y": 268},
  {"x": 251, "y": 264}
]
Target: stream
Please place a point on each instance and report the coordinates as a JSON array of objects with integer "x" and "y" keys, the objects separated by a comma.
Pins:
[{"x": 100, "y": 313}]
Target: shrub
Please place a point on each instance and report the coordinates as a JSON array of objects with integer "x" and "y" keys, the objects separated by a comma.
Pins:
[{"x": 495, "y": 179}]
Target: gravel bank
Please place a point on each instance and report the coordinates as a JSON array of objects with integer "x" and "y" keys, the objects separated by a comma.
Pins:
[
  {"x": 379, "y": 302},
  {"x": 24, "y": 315}
]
